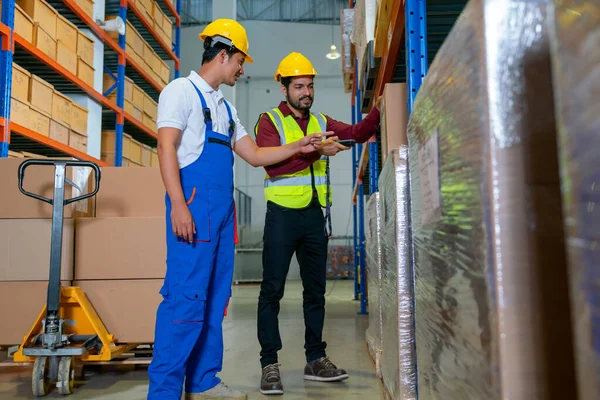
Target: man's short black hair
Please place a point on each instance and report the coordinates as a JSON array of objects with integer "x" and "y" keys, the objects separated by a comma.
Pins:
[
  {"x": 211, "y": 51},
  {"x": 286, "y": 80}
]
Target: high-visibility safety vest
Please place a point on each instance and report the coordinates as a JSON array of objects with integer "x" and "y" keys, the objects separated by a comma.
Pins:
[{"x": 296, "y": 190}]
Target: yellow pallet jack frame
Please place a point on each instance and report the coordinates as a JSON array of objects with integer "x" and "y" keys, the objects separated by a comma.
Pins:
[{"x": 68, "y": 329}]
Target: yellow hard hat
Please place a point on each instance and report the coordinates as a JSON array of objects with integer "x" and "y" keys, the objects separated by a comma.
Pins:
[
  {"x": 231, "y": 30},
  {"x": 294, "y": 64}
]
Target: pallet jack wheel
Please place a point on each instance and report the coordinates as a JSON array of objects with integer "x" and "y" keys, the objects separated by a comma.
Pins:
[
  {"x": 40, "y": 383},
  {"x": 66, "y": 375}
]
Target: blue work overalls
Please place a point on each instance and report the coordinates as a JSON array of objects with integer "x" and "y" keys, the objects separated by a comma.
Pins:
[{"x": 188, "y": 340}]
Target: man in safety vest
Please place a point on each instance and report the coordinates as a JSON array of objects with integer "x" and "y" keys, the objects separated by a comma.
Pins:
[
  {"x": 198, "y": 131},
  {"x": 296, "y": 190}
]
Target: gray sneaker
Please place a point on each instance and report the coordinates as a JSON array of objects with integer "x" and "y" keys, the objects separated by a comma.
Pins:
[
  {"x": 270, "y": 382},
  {"x": 221, "y": 391}
]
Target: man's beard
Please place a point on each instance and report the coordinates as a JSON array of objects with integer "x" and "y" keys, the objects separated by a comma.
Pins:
[{"x": 298, "y": 104}]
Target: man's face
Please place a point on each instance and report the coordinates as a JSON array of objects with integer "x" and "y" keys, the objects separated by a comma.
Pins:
[
  {"x": 233, "y": 67},
  {"x": 300, "y": 93}
]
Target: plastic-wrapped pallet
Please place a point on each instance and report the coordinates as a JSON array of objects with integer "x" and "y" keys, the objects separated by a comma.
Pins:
[
  {"x": 347, "y": 28},
  {"x": 373, "y": 238},
  {"x": 576, "y": 67},
  {"x": 491, "y": 294},
  {"x": 398, "y": 358}
]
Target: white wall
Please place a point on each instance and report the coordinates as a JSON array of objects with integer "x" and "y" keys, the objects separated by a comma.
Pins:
[{"x": 258, "y": 92}]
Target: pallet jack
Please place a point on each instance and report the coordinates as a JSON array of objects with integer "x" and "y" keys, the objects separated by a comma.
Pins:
[{"x": 68, "y": 329}]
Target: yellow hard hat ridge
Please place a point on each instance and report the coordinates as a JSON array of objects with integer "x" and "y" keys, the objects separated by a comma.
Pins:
[
  {"x": 229, "y": 29},
  {"x": 294, "y": 64}
]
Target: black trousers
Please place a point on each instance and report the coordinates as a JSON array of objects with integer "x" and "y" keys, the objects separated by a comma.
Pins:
[{"x": 289, "y": 231}]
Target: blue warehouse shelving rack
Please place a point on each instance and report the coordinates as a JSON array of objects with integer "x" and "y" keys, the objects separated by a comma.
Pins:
[
  {"x": 417, "y": 30},
  {"x": 116, "y": 61}
]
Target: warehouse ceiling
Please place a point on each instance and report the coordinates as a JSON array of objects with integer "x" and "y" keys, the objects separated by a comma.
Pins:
[{"x": 199, "y": 12}]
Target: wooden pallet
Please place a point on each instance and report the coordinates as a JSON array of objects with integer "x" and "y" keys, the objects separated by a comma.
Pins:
[{"x": 377, "y": 362}]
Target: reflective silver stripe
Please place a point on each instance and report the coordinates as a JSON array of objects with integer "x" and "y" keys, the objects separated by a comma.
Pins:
[
  {"x": 275, "y": 116},
  {"x": 324, "y": 158},
  {"x": 322, "y": 121},
  {"x": 295, "y": 181}
]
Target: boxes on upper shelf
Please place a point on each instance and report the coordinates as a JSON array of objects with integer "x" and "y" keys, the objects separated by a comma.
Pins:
[
  {"x": 85, "y": 48},
  {"x": 44, "y": 41},
  {"x": 23, "y": 24},
  {"x": 66, "y": 33},
  {"x": 41, "y": 94},
  {"x": 42, "y": 13},
  {"x": 20, "y": 82}
]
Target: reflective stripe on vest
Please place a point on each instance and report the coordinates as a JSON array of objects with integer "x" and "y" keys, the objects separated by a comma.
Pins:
[{"x": 295, "y": 190}]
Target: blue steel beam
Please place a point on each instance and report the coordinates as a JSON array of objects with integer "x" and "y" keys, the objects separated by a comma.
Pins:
[
  {"x": 120, "y": 92},
  {"x": 355, "y": 210},
  {"x": 6, "y": 60},
  {"x": 416, "y": 47},
  {"x": 360, "y": 277}
]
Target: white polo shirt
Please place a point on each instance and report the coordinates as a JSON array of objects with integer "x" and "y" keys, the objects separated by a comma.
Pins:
[{"x": 179, "y": 107}]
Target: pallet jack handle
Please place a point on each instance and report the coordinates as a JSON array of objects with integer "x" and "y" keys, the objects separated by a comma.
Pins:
[
  {"x": 52, "y": 337},
  {"x": 64, "y": 164}
]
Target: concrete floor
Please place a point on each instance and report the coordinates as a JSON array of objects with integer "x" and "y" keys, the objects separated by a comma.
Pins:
[{"x": 344, "y": 333}]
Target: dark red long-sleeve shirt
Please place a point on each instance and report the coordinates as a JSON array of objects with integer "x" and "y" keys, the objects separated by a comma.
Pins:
[{"x": 268, "y": 136}]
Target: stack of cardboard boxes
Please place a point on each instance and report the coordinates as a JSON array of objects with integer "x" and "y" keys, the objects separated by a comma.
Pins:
[
  {"x": 143, "y": 55},
  {"x": 134, "y": 153},
  {"x": 25, "y": 225},
  {"x": 36, "y": 105},
  {"x": 137, "y": 104},
  {"x": 120, "y": 253},
  {"x": 38, "y": 23},
  {"x": 113, "y": 248}
]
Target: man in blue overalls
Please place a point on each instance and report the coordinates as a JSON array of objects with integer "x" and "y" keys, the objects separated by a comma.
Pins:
[{"x": 198, "y": 130}]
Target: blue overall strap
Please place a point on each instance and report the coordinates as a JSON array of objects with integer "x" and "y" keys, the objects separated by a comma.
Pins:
[
  {"x": 231, "y": 121},
  {"x": 205, "y": 109}
]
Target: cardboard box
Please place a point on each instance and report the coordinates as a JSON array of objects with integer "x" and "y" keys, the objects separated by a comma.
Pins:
[
  {"x": 20, "y": 82},
  {"x": 150, "y": 106},
  {"x": 39, "y": 121},
  {"x": 23, "y": 24},
  {"x": 138, "y": 97},
  {"x": 79, "y": 118},
  {"x": 43, "y": 41},
  {"x": 133, "y": 110},
  {"x": 108, "y": 82},
  {"x": 67, "y": 32},
  {"x": 85, "y": 48},
  {"x": 394, "y": 118},
  {"x": 14, "y": 154},
  {"x": 41, "y": 94},
  {"x": 19, "y": 112},
  {"x": 59, "y": 132},
  {"x": 149, "y": 122},
  {"x": 87, "y": 6},
  {"x": 61, "y": 108},
  {"x": 78, "y": 141},
  {"x": 85, "y": 72},
  {"x": 131, "y": 192},
  {"x": 129, "y": 148},
  {"x": 66, "y": 57},
  {"x": 109, "y": 158},
  {"x": 39, "y": 180},
  {"x": 146, "y": 155},
  {"x": 135, "y": 151},
  {"x": 127, "y": 307},
  {"x": 154, "y": 159},
  {"x": 27, "y": 300},
  {"x": 19, "y": 263},
  {"x": 364, "y": 31},
  {"x": 120, "y": 248},
  {"x": 42, "y": 13},
  {"x": 165, "y": 71}
]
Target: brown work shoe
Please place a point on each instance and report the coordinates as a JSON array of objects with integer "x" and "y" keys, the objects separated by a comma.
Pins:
[
  {"x": 270, "y": 383},
  {"x": 323, "y": 370},
  {"x": 221, "y": 391}
]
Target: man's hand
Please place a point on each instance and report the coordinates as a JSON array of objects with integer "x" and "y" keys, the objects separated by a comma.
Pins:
[
  {"x": 378, "y": 103},
  {"x": 183, "y": 223},
  {"x": 310, "y": 143},
  {"x": 330, "y": 147}
]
